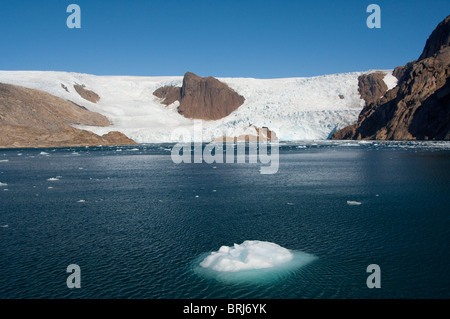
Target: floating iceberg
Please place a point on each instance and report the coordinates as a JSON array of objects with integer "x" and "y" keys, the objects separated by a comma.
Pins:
[
  {"x": 352, "y": 202},
  {"x": 3, "y": 184},
  {"x": 251, "y": 254},
  {"x": 251, "y": 261}
]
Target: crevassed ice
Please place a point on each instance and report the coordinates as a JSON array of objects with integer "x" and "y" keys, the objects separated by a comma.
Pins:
[{"x": 295, "y": 108}]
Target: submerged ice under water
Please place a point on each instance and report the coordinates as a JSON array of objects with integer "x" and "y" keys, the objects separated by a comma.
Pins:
[{"x": 252, "y": 261}]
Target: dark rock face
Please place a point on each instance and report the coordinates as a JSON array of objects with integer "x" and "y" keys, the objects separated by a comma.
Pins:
[
  {"x": 203, "y": 98},
  {"x": 419, "y": 106}
]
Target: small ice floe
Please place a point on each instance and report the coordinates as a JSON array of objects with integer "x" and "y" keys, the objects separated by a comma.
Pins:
[
  {"x": 196, "y": 196},
  {"x": 80, "y": 168},
  {"x": 49, "y": 187},
  {"x": 133, "y": 150},
  {"x": 5, "y": 190},
  {"x": 4, "y": 226},
  {"x": 352, "y": 202},
  {"x": 52, "y": 179},
  {"x": 44, "y": 153},
  {"x": 3, "y": 184},
  {"x": 290, "y": 204},
  {"x": 4, "y": 161},
  {"x": 81, "y": 201},
  {"x": 214, "y": 190}
]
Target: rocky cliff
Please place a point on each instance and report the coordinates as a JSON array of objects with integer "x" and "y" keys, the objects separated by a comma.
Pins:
[
  {"x": 371, "y": 86},
  {"x": 32, "y": 118},
  {"x": 203, "y": 98},
  {"x": 419, "y": 106}
]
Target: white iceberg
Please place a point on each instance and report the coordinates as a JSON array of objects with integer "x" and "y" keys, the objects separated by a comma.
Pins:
[
  {"x": 352, "y": 202},
  {"x": 251, "y": 254},
  {"x": 251, "y": 261}
]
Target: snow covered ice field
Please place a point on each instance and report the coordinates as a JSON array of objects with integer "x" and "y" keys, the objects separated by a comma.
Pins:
[{"x": 307, "y": 108}]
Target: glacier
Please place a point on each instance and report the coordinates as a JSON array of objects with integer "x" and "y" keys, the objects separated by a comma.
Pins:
[{"x": 304, "y": 108}]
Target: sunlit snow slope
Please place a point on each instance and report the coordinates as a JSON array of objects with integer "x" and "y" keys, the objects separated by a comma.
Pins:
[{"x": 295, "y": 108}]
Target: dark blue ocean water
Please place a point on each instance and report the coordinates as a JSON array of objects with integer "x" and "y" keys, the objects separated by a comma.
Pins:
[{"x": 137, "y": 224}]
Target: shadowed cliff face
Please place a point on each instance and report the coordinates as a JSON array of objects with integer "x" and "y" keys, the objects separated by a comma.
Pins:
[
  {"x": 32, "y": 118},
  {"x": 419, "y": 106},
  {"x": 203, "y": 98},
  {"x": 438, "y": 39}
]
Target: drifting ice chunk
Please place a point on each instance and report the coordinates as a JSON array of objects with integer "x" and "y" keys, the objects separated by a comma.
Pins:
[
  {"x": 252, "y": 261},
  {"x": 251, "y": 254},
  {"x": 3, "y": 184},
  {"x": 351, "y": 202},
  {"x": 52, "y": 179}
]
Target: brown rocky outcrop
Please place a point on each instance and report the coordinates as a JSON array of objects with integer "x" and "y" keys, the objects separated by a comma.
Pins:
[
  {"x": 371, "y": 86},
  {"x": 203, "y": 98},
  {"x": 86, "y": 94},
  {"x": 419, "y": 106},
  {"x": 32, "y": 118},
  {"x": 168, "y": 94}
]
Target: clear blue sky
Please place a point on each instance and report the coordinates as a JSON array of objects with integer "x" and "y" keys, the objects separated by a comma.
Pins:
[{"x": 226, "y": 38}]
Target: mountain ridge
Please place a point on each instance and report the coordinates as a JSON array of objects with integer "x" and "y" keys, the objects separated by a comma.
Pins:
[{"x": 419, "y": 106}]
